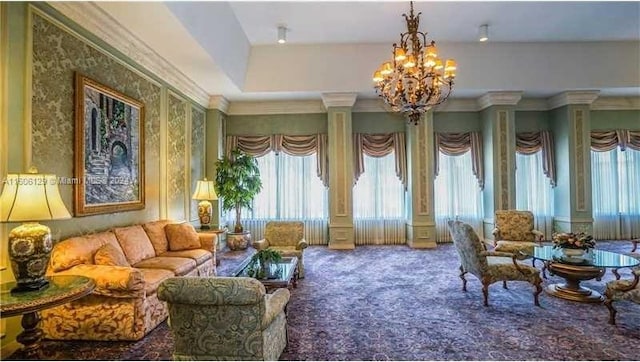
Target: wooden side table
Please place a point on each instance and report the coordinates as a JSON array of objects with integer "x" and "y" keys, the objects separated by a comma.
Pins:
[{"x": 61, "y": 290}]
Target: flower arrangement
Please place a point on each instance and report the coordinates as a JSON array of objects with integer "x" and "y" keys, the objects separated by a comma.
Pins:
[{"x": 573, "y": 241}]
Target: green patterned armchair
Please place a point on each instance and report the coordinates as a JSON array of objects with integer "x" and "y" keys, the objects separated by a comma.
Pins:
[
  {"x": 286, "y": 237},
  {"x": 224, "y": 318},
  {"x": 622, "y": 290},
  {"x": 489, "y": 266},
  {"x": 514, "y": 232}
]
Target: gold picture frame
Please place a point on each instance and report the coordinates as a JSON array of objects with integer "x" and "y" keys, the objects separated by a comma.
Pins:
[{"x": 109, "y": 150}]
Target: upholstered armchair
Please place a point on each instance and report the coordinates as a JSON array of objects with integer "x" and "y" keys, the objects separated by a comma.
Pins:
[
  {"x": 286, "y": 237},
  {"x": 514, "y": 232},
  {"x": 224, "y": 318},
  {"x": 489, "y": 266},
  {"x": 622, "y": 290}
]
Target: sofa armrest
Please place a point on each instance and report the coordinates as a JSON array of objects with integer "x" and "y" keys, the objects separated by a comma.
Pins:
[
  {"x": 113, "y": 281},
  {"x": 208, "y": 241},
  {"x": 274, "y": 304},
  {"x": 302, "y": 244},
  {"x": 538, "y": 235},
  {"x": 261, "y": 244}
]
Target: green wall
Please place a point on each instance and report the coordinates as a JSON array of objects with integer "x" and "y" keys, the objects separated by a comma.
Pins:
[
  {"x": 291, "y": 124},
  {"x": 531, "y": 121},
  {"x": 377, "y": 122},
  {"x": 610, "y": 120},
  {"x": 447, "y": 122}
]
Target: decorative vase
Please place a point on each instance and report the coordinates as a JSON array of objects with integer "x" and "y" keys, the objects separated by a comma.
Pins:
[
  {"x": 238, "y": 241},
  {"x": 573, "y": 253}
]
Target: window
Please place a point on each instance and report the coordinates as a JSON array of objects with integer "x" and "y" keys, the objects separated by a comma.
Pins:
[
  {"x": 534, "y": 191},
  {"x": 615, "y": 178},
  {"x": 291, "y": 189},
  {"x": 456, "y": 194},
  {"x": 379, "y": 203}
]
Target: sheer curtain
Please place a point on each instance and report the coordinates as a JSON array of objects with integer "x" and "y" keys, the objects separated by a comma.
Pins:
[
  {"x": 457, "y": 194},
  {"x": 291, "y": 190},
  {"x": 615, "y": 178},
  {"x": 534, "y": 191},
  {"x": 379, "y": 203}
]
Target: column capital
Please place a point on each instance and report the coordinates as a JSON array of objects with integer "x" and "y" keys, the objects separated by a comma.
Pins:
[
  {"x": 339, "y": 99},
  {"x": 494, "y": 98},
  {"x": 573, "y": 97},
  {"x": 219, "y": 102}
]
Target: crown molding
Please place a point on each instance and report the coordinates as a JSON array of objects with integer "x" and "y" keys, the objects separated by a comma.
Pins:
[
  {"x": 616, "y": 103},
  {"x": 502, "y": 98},
  {"x": 573, "y": 97},
  {"x": 220, "y": 103},
  {"x": 97, "y": 21},
  {"x": 370, "y": 105},
  {"x": 532, "y": 104},
  {"x": 339, "y": 99},
  {"x": 458, "y": 105},
  {"x": 275, "y": 107}
]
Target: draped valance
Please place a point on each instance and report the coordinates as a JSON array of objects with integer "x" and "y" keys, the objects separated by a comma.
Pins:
[
  {"x": 456, "y": 144},
  {"x": 602, "y": 141},
  {"x": 380, "y": 145},
  {"x": 528, "y": 143},
  {"x": 292, "y": 145}
]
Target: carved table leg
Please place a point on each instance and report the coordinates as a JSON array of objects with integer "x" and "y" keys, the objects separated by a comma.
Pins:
[{"x": 31, "y": 335}]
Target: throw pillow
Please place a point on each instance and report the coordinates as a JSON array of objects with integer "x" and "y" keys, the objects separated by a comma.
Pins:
[
  {"x": 182, "y": 237},
  {"x": 110, "y": 255}
]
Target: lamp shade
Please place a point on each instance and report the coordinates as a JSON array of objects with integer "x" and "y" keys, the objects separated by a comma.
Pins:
[
  {"x": 31, "y": 197},
  {"x": 205, "y": 190}
]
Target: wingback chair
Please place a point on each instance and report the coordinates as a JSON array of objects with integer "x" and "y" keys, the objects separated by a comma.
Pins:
[
  {"x": 224, "y": 318},
  {"x": 514, "y": 232},
  {"x": 286, "y": 237},
  {"x": 489, "y": 266},
  {"x": 622, "y": 290},
  {"x": 633, "y": 253}
]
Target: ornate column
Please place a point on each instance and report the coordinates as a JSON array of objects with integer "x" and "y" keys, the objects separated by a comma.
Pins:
[
  {"x": 339, "y": 106},
  {"x": 571, "y": 126},
  {"x": 421, "y": 222},
  {"x": 499, "y": 144},
  {"x": 214, "y": 144}
]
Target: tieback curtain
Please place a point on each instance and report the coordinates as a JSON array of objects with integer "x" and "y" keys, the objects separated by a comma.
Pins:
[
  {"x": 456, "y": 144},
  {"x": 380, "y": 145},
  {"x": 602, "y": 141},
  {"x": 528, "y": 143},
  {"x": 292, "y": 145}
]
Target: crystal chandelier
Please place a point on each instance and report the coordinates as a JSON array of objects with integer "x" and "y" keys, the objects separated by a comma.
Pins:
[{"x": 416, "y": 79}]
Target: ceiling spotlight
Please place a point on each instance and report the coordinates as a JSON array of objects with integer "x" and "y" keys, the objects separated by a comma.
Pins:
[
  {"x": 282, "y": 34},
  {"x": 483, "y": 32}
]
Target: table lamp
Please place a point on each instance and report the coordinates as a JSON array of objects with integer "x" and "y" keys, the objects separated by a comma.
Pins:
[
  {"x": 30, "y": 198},
  {"x": 205, "y": 191}
]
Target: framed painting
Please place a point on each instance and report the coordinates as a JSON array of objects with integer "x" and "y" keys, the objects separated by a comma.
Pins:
[{"x": 109, "y": 150}]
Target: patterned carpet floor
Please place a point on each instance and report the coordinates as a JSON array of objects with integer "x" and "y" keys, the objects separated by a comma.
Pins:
[{"x": 398, "y": 303}]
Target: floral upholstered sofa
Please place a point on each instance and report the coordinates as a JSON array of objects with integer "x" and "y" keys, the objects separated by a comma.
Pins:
[{"x": 127, "y": 264}]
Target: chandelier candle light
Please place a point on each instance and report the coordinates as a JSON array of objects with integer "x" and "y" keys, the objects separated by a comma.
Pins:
[{"x": 416, "y": 79}]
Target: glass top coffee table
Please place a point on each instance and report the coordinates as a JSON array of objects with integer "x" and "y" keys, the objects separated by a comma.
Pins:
[
  {"x": 285, "y": 273},
  {"x": 574, "y": 270}
]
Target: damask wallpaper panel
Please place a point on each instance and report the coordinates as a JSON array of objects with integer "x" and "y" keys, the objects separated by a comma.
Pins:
[
  {"x": 197, "y": 156},
  {"x": 176, "y": 171}
]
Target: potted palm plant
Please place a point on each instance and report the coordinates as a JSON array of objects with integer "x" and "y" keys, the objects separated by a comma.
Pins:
[{"x": 237, "y": 183}]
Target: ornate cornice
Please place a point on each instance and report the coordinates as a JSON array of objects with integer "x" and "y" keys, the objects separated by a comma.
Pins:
[
  {"x": 458, "y": 105},
  {"x": 507, "y": 98},
  {"x": 97, "y": 21},
  {"x": 616, "y": 103},
  {"x": 220, "y": 103},
  {"x": 532, "y": 104},
  {"x": 276, "y": 107},
  {"x": 573, "y": 97},
  {"x": 339, "y": 99}
]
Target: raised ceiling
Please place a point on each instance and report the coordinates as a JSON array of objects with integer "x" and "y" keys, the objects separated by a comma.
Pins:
[{"x": 540, "y": 48}]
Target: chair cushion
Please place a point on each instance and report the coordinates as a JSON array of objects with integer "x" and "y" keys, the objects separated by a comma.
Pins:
[
  {"x": 515, "y": 247},
  {"x": 108, "y": 254},
  {"x": 288, "y": 251},
  {"x": 198, "y": 255},
  {"x": 135, "y": 243},
  {"x": 178, "y": 266},
  {"x": 182, "y": 237},
  {"x": 502, "y": 268},
  {"x": 79, "y": 250}
]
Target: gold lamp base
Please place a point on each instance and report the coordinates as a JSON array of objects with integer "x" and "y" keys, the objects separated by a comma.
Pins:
[
  {"x": 204, "y": 212},
  {"x": 29, "y": 251}
]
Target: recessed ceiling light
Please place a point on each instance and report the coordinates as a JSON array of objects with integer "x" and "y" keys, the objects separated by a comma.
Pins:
[
  {"x": 483, "y": 32},
  {"x": 282, "y": 34}
]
